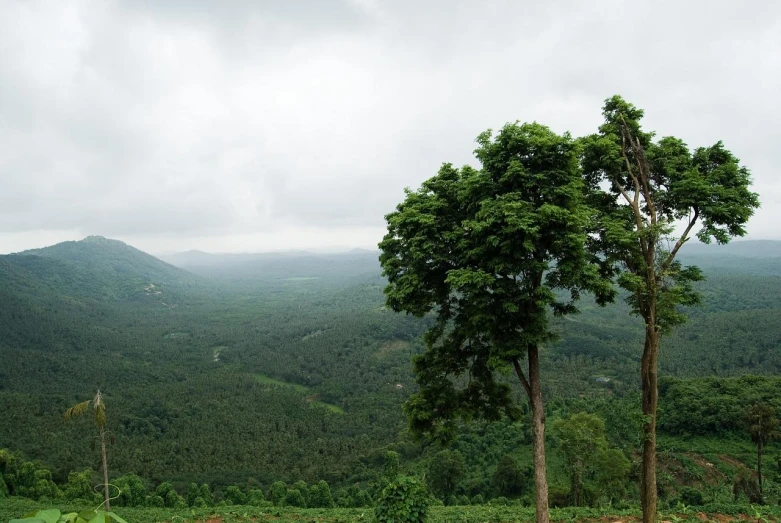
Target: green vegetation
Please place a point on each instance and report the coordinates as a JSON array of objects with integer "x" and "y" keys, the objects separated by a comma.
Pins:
[
  {"x": 652, "y": 187},
  {"x": 485, "y": 252},
  {"x": 188, "y": 427}
]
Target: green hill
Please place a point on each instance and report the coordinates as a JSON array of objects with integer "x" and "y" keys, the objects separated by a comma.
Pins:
[{"x": 288, "y": 366}]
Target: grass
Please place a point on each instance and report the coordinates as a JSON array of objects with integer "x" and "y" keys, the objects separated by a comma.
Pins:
[
  {"x": 302, "y": 389},
  {"x": 15, "y": 507}
]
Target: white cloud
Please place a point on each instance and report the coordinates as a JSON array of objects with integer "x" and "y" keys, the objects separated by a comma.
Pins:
[{"x": 206, "y": 124}]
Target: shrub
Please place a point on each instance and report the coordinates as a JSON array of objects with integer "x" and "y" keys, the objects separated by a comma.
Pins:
[
  {"x": 294, "y": 498},
  {"x": 691, "y": 496},
  {"x": 404, "y": 500}
]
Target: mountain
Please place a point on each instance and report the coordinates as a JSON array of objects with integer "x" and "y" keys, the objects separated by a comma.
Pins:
[
  {"x": 333, "y": 267},
  {"x": 287, "y": 366},
  {"x": 113, "y": 262}
]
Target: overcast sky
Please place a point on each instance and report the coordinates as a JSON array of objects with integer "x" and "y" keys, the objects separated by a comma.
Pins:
[{"x": 259, "y": 125}]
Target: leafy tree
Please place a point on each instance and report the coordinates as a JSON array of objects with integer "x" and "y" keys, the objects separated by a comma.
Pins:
[
  {"x": 652, "y": 186},
  {"x": 155, "y": 501},
  {"x": 235, "y": 496},
  {"x": 294, "y": 498},
  {"x": 256, "y": 498},
  {"x": 132, "y": 491},
  {"x": 303, "y": 488},
  {"x": 403, "y": 500},
  {"x": 390, "y": 467},
  {"x": 484, "y": 251},
  {"x": 99, "y": 415},
  {"x": 193, "y": 492},
  {"x": 206, "y": 494},
  {"x": 320, "y": 495},
  {"x": 508, "y": 480},
  {"x": 445, "y": 472},
  {"x": 581, "y": 438},
  {"x": 277, "y": 492},
  {"x": 79, "y": 486},
  {"x": 762, "y": 425},
  {"x": 745, "y": 484}
]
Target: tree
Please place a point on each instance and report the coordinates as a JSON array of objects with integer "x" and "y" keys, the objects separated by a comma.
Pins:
[
  {"x": 484, "y": 250},
  {"x": 99, "y": 415},
  {"x": 763, "y": 428},
  {"x": 276, "y": 493},
  {"x": 235, "y": 496},
  {"x": 320, "y": 495},
  {"x": 445, "y": 472},
  {"x": 581, "y": 438},
  {"x": 132, "y": 491},
  {"x": 508, "y": 479},
  {"x": 653, "y": 187}
]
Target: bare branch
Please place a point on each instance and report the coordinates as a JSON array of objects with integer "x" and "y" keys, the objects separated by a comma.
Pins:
[
  {"x": 521, "y": 377},
  {"x": 684, "y": 237}
]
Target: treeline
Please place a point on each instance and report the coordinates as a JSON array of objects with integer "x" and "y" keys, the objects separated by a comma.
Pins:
[{"x": 707, "y": 455}]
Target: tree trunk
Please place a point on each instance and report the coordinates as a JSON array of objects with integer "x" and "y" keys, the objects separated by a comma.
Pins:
[
  {"x": 759, "y": 471},
  {"x": 538, "y": 437},
  {"x": 649, "y": 377},
  {"x": 105, "y": 467},
  {"x": 577, "y": 487}
]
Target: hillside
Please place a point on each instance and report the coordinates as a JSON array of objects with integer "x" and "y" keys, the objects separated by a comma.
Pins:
[{"x": 288, "y": 366}]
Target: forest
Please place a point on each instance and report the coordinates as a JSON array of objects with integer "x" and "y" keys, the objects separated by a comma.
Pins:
[{"x": 278, "y": 381}]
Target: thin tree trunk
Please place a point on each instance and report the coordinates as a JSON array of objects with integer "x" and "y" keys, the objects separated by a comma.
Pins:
[
  {"x": 649, "y": 377},
  {"x": 538, "y": 437},
  {"x": 534, "y": 391},
  {"x": 105, "y": 467},
  {"x": 759, "y": 472}
]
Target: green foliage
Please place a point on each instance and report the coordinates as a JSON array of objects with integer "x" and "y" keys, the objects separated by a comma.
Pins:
[
  {"x": 691, "y": 496},
  {"x": 509, "y": 480},
  {"x": 277, "y": 492},
  {"x": 320, "y": 495},
  {"x": 293, "y": 498},
  {"x": 404, "y": 500},
  {"x": 235, "y": 496},
  {"x": 79, "y": 486},
  {"x": 390, "y": 468},
  {"x": 255, "y": 497},
  {"x": 445, "y": 472},
  {"x": 746, "y": 486},
  {"x": 132, "y": 491},
  {"x": 205, "y": 493},
  {"x": 595, "y": 469},
  {"x": 713, "y": 406},
  {"x": 484, "y": 250},
  {"x": 762, "y": 424},
  {"x": 55, "y": 516}
]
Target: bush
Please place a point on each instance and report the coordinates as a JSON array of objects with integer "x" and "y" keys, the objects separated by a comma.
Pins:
[
  {"x": 746, "y": 485},
  {"x": 403, "y": 500},
  {"x": 691, "y": 496},
  {"x": 256, "y": 498},
  {"x": 294, "y": 498}
]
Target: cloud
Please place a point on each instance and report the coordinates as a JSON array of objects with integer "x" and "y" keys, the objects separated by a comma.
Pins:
[{"x": 211, "y": 123}]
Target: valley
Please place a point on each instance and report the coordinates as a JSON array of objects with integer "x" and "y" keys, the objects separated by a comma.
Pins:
[{"x": 249, "y": 370}]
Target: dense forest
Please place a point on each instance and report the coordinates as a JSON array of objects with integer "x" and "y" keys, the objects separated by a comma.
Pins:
[{"x": 281, "y": 376}]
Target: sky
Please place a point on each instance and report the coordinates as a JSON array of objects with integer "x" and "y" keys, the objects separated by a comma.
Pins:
[{"x": 249, "y": 126}]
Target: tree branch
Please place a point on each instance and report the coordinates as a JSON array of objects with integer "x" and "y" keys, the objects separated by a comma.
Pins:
[
  {"x": 524, "y": 382},
  {"x": 681, "y": 241}
]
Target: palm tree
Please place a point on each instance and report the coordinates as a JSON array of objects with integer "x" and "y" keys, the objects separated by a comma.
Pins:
[
  {"x": 99, "y": 412},
  {"x": 763, "y": 427}
]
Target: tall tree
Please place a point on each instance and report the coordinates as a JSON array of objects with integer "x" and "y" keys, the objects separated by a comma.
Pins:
[
  {"x": 98, "y": 407},
  {"x": 484, "y": 251},
  {"x": 763, "y": 428},
  {"x": 646, "y": 189}
]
